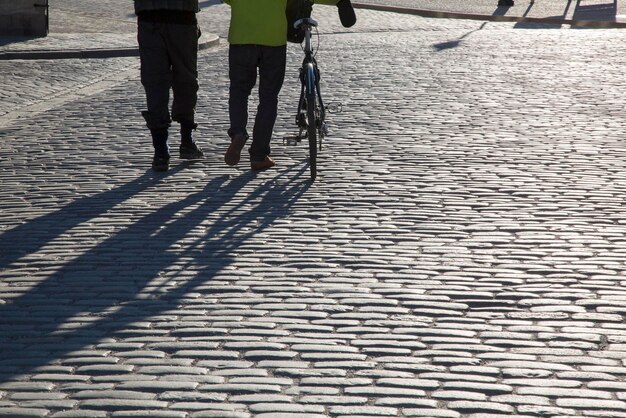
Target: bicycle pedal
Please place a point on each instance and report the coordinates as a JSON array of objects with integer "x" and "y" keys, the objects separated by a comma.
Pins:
[{"x": 291, "y": 140}]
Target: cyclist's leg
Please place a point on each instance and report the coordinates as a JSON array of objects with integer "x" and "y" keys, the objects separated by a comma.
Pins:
[
  {"x": 242, "y": 62},
  {"x": 271, "y": 76}
]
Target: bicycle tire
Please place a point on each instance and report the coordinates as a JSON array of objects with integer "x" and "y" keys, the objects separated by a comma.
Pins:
[{"x": 312, "y": 132}]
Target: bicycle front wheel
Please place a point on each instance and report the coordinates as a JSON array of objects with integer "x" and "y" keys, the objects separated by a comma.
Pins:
[{"x": 312, "y": 132}]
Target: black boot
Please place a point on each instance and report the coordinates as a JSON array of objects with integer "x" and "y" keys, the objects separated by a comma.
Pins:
[
  {"x": 188, "y": 148},
  {"x": 161, "y": 160}
]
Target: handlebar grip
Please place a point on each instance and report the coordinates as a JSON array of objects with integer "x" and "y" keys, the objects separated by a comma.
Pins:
[{"x": 346, "y": 13}]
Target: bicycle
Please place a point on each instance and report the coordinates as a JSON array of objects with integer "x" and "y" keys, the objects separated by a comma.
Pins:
[{"x": 311, "y": 112}]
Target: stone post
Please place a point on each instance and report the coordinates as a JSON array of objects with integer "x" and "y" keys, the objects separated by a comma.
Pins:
[{"x": 23, "y": 17}]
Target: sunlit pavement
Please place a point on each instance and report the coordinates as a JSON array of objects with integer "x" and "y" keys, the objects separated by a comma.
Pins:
[{"x": 461, "y": 253}]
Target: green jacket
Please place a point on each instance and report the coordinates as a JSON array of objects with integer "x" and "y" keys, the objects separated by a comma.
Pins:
[
  {"x": 260, "y": 22},
  {"x": 179, "y": 5}
]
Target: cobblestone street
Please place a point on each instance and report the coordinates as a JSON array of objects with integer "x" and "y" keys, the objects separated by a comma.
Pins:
[{"x": 461, "y": 253}]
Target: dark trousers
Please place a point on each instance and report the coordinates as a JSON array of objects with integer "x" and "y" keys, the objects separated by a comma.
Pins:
[
  {"x": 244, "y": 61},
  {"x": 169, "y": 60}
]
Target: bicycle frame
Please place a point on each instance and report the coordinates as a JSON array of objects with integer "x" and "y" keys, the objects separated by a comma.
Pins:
[
  {"x": 311, "y": 113},
  {"x": 310, "y": 80}
]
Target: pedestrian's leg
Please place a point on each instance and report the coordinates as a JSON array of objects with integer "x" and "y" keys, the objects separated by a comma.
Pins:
[
  {"x": 183, "y": 51},
  {"x": 271, "y": 77},
  {"x": 242, "y": 63},
  {"x": 156, "y": 80}
]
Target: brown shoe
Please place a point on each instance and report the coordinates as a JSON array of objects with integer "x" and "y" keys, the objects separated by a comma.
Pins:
[
  {"x": 262, "y": 165},
  {"x": 233, "y": 153}
]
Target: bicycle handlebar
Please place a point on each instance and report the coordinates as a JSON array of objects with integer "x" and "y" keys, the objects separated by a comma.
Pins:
[{"x": 307, "y": 21}]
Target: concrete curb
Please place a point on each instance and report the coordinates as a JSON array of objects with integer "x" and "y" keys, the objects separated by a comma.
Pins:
[
  {"x": 100, "y": 53},
  {"x": 517, "y": 19}
]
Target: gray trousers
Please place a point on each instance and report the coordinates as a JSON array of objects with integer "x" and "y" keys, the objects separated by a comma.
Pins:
[{"x": 169, "y": 60}]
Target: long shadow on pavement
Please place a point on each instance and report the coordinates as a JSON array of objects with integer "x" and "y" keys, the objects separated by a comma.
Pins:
[
  {"x": 605, "y": 11},
  {"x": 31, "y": 236},
  {"x": 503, "y": 10},
  {"x": 591, "y": 12},
  {"x": 106, "y": 291}
]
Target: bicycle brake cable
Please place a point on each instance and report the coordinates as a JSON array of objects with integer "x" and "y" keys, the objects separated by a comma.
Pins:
[{"x": 317, "y": 33}]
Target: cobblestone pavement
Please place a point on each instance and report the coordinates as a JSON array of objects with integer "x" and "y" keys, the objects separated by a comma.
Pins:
[
  {"x": 30, "y": 85},
  {"x": 460, "y": 255}
]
